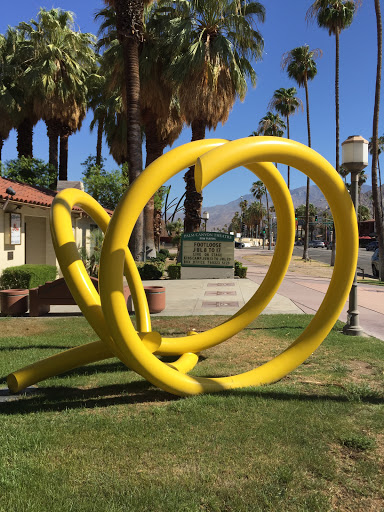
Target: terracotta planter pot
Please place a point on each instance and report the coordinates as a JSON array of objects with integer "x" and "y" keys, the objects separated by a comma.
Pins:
[
  {"x": 14, "y": 302},
  {"x": 155, "y": 297}
]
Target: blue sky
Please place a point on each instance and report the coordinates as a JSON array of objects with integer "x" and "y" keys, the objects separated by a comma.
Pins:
[{"x": 285, "y": 28}]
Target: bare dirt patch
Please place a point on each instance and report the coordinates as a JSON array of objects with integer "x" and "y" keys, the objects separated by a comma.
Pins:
[
  {"x": 309, "y": 268},
  {"x": 11, "y": 327},
  {"x": 243, "y": 352},
  {"x": 360, "y": 369}
]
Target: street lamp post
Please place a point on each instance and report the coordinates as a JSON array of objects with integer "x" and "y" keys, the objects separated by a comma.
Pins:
[
  {"x": 355, "y": 159},
  {"x": 241, "y": 217},
  {"x": 205, "y": 217}
]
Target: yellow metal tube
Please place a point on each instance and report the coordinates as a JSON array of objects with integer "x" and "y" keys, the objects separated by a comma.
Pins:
[{"x": 211, "y": 165}]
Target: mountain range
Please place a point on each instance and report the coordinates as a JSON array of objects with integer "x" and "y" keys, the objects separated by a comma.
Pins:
[{"x": 222, "y": 214}]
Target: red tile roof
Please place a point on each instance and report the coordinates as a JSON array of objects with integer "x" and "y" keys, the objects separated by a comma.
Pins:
[
  {"x": 27, "y": 193},
  {"x": 30, "y": 194}
]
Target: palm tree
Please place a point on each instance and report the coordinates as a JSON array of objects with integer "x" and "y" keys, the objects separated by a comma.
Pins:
[
  {"x": 301, "y": 67},
  {"x": 258, "y": 190},
  {"x": 16, "y": 91},
  {"x": 286, "y": 103},
  {"x": 335, "y": 16},
  {"x": 159, "y": 112},
  {"x": 216, "y": 40},
  {"x": 375, "y": 145},
  {"x": 380, "y": 148},
  {"x": 129, "y": 24},
  {"x": 7, "y": 102},
  {"x": 271, "y": 125},
  {"x": 253, "y": 216},
  {"x": 61, "y": 60}
]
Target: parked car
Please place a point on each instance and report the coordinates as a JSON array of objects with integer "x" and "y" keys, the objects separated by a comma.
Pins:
[
  {"x": 239, "y": 245},
  {"x": 372, "y": 246},
  {"x": 317, "y": 244},
  {"x": 375, "y": 263}
]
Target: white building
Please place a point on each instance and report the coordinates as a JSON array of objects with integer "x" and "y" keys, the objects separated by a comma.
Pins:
[{"x": 24, "y": 224}]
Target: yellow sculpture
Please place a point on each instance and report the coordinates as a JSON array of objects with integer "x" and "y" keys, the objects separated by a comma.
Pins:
[{"x": 107, "y": 313}]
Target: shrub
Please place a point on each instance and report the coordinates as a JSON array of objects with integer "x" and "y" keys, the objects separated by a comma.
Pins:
[
  {"x": 240, "y": 271},
  {"x": 164, "y": 251},
  {"x": 174, "y": 271},
  {"x": 159, "y": 257},
  {"x": 152, "y": 270},
  {"x": 27, "y": 276}
]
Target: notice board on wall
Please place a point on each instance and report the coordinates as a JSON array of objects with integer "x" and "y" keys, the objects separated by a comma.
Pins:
[
  {"x": 15, "y": 230},
  {"x": 207, "y": 249}
]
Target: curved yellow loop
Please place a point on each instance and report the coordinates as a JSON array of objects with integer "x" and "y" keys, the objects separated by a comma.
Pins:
[
  {"x": 73, "y": 268},
  {"x": 87, "y": 297},
  {"x": 211, "y": 165},
  {"x": 136, "y": 349}
]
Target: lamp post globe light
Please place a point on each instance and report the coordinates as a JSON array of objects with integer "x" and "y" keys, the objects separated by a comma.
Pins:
[
  {"x": 205, "y": 218},
  {"x": 354, "y": 159}
]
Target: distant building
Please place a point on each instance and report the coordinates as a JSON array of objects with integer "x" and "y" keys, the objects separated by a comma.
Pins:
[{"x": 367, "y": 228}]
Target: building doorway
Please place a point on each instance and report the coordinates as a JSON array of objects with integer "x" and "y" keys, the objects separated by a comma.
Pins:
[{"x": 35, "y": 240}]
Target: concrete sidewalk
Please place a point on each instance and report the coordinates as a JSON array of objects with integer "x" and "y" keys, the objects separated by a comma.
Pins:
[
  {"x": 297, "y": 294},
  {"x": 204, "y": 297},
  {"x": 307, "y": 293}
]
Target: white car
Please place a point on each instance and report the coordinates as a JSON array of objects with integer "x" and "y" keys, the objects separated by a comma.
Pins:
[{"x": 317, "y": 243}]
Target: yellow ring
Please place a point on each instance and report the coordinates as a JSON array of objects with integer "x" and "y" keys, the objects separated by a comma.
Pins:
[{"x": 209, "y": 166}]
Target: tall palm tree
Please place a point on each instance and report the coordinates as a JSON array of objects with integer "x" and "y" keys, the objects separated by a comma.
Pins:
[
  {"x": 7, "y": 101},
  {"x": 271, "y": 125},
  {"x": 380, "y": 148},
  {"x": 258, "y": 190},
  {"x": 286, "y": 103},
  {"x": 17, "y": 93},
  {"x": 301, "y": 67},
  {"x": 129, "y": 24},
  {"x": 253, "y": 216},
  {"x": 215, "y": 42},
  {"x": 159, "y": 113},
  {"x": 61, "y": 61},
  {"x": 335, "y": 16},
  {"x": 375, "y": 145}
]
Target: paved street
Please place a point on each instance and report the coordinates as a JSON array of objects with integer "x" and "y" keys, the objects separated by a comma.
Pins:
[{"x": 364, "y": 261}]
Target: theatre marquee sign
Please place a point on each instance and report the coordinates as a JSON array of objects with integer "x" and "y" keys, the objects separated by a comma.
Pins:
[{"x": 207, "y": 250}]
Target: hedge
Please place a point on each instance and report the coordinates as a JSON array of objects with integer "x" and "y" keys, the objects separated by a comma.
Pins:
[
  {"x": 150, "y": 271},
  {"x": 240, "y": 271},
  {"x": 174, "y": 271},
  {"x": 27, "y": 276}
]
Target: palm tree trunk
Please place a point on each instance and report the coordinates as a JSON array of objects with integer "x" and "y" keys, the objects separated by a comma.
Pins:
[
  {"x": 306, "y": 238},
  {"x": 375, "y": 130},
  {"x": 99, "y": 143},
  {"x": 193, "y": 199},
  {"x": 289, "y": 168},
  {"x": 154, "y": 148},
  {"x": 380, "y": 187},
  {"x": 25, "y": 138},
  {"x": 337, "y": 101},
  {"x": 129, "y": 24},
  {"x": 268, "y": 221},
  {"x": 53, "y": 132},
  {"x": 1, "y": 149},
  {"x": 63, "y": 166}
]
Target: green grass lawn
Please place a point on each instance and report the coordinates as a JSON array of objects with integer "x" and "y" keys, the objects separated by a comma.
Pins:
[{"x": 100, "y": 438}]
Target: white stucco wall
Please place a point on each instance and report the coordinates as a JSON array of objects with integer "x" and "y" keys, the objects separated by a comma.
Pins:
[{"x": 81, "y": 227}]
